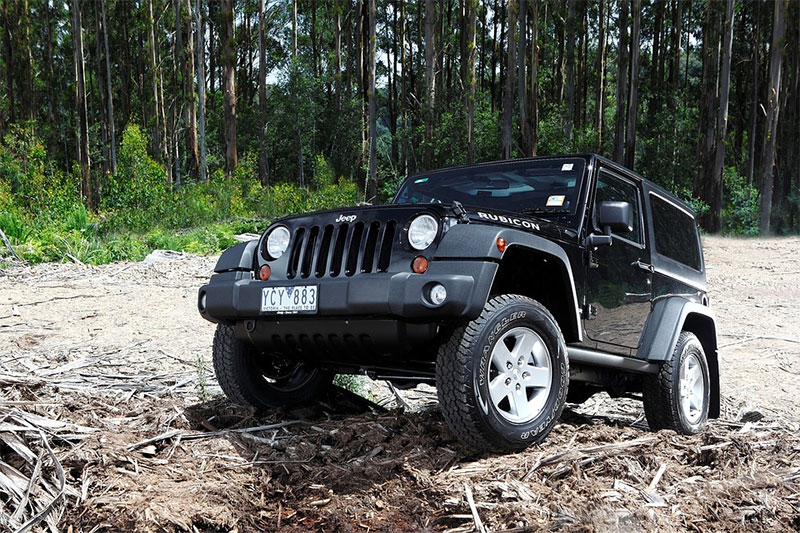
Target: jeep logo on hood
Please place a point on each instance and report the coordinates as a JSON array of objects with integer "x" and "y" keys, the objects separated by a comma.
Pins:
[{"x": 346, "y": 218}]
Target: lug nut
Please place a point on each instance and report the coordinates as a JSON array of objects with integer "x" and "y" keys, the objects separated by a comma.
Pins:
[
  {"x": 508, "y": 382},
  {"x": 521, "y": 361},
  {"x": 518, "y": 386},
  {"x": 525, "y": 375},
  {"x": 509, "y": 366}
]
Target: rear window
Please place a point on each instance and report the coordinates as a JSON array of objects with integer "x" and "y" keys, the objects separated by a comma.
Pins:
[{"x": 675, "y": 233}]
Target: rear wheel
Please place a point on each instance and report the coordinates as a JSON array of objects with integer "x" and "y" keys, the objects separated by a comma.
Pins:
[
  {"x": 678, "y": 397},
  {"x": 502, "y": 378},
  {"x": 250, "y": 379}
]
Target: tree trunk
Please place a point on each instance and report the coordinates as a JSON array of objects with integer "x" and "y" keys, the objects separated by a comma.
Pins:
[
  {"x": 675, "y": 64},
  {"x": 190, "y": 106},
  {"x": 599, "y": 101},
  {"x": 229, "y": 61},
  {"x": 711, "y": 32},
  {"x": 24, "y": 59},
  {"x": 372, "y": 189},
  {"x": 570, "y": 69},
  {"x": 51, "y": 95},
  {"x": 654, "y": 106},
  {"x": 153, "y": 68},
  {"x": 522, "y": 78},
  {"x": 404, "y": 100},
  {"x": 102, "y": 108},
  {"x": 633, "y": 101},
  {"x": 471, "y": 29},
  {"x": 713, "y": 188},
  {"x": 110, "y": 97},
  {"x": 201, "y": 91},
  {"x": 295, "y": 89},
  {"x": 773, "y": 111},
  {"x": 754, "y": 106},
  {"x": 178, "y": 98},
  {"x": 493, "y": 62},
  {"x": 263, "y": 160},
  {"x": 80, "y": 104},
  {"x": 622, "y": 83},
  {"x": 8, "y": 41},
  {"x": 533, "y": 113},
  {"x": 430, "y": 79},
  {"x": 508, "y": 96}
]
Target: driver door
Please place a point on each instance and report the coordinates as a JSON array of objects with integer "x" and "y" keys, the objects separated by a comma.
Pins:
[{"x": 619, "y": 277}]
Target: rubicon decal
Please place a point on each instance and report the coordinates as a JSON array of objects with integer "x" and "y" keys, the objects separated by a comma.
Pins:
[
  {"x": 511, "y": 221},
  {"x": 346, "y": 218}
]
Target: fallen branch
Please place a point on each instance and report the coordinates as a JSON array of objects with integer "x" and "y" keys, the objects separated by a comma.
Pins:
[
  {"x": 8, "y": 245},
  {"x": 475, "y": 516},
  {"x": 45, "y": 512}
]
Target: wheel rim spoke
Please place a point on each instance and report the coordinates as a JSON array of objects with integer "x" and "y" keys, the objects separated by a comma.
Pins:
[{"x": 538, "y": 378}]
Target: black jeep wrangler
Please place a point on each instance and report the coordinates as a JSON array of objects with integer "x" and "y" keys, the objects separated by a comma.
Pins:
[{"x": 512, "y": 286}]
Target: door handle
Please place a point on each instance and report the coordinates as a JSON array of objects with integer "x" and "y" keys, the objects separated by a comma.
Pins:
[{"x": 644, "y": 266}]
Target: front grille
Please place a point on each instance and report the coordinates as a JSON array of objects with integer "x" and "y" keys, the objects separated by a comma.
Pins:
[{"x": 343, "y": 249}]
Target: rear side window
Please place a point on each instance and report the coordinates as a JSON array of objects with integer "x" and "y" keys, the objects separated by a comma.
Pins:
[{"x": 675, "y": 233}]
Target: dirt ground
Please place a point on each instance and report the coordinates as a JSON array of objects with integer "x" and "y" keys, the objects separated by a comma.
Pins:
[{"x": 111, "y": 420}]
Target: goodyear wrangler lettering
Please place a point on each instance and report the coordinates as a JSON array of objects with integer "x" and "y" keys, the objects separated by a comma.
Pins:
[{"x": 522, "y": 223}]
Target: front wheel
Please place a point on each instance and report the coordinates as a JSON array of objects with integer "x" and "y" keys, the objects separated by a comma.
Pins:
[
  {"x": 252, "y": 379},
  {"x": 502, "y": 379},
  {"x": 678, "y": 396}
]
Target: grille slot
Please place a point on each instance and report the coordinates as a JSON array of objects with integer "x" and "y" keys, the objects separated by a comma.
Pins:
[
  {"x": 343, "y": 249},
  {"x": 354, "y": 249}
]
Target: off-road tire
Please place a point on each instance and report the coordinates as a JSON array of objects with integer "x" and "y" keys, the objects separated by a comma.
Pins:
[
  {"x": 661, "y": 392},
  {"x": 244, "y": 383},
  {"x": 462, "y": 370}
]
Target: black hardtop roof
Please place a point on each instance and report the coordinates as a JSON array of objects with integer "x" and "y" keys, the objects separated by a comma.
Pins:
[{"x": 590, "y": 158}]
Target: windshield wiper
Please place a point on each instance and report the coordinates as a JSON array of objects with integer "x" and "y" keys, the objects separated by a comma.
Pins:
[{"x": 543, "y": 211}]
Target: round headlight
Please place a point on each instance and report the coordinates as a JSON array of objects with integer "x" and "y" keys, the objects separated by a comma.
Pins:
[
  {"x": 422, "y": 231},
  {"x": 277, "y": 242}
]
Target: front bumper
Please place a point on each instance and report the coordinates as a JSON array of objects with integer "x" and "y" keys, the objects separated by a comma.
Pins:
[{"x": 235, "y": 296}]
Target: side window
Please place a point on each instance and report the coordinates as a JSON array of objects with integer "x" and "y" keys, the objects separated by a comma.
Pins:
[
  {"x": 613, "y": 189},
  {"x": 675, "y": 233}
]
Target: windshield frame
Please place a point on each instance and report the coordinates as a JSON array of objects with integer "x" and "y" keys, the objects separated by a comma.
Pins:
[{"x": 572, "y": 220}]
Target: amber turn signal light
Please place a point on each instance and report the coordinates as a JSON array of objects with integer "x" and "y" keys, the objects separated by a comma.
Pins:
[
  {"x": 502, "y": 244},
  {"x": 264, "y": 272},
  {"x": 420, "y": 264}
]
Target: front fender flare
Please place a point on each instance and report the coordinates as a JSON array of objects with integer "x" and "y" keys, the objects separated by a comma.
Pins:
[
  {"x": 474, "y": 241},
  {"x": 239, "y": 257}
]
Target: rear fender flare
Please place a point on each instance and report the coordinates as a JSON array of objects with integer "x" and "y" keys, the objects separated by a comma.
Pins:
[{"x": 669, "y": 317}]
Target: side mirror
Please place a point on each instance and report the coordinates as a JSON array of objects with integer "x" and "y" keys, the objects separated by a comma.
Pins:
[
  {"x": 615, "y": 216},
  {"x": 612, "y": 217}
]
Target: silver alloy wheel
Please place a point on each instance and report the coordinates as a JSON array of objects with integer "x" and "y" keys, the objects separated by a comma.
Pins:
[
  {"x": 692, "y": 389},
  {"x": 520, "y": 376}
]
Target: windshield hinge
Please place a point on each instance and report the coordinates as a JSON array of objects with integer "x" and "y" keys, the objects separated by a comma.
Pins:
[{"x": 459, "y": 211}]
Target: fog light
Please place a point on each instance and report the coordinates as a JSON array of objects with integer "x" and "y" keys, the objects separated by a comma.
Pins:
[
  {"x": 420, "y": 264},
  {"x": 264, "y": 272},
  {"x": 202, "y": 303},
  {"x": 438, "y": 294}
]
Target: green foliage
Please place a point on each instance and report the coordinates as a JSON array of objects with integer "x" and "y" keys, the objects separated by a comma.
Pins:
[
  {"x": 741, "y": 204},
  {"x": 42, "y": 213}
]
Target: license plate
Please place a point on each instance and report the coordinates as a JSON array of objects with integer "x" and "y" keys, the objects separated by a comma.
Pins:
[{"x": 297, "y": 299}]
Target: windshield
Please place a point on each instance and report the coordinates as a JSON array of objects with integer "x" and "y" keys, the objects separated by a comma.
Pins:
[{"x": 540, "y": 186}]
